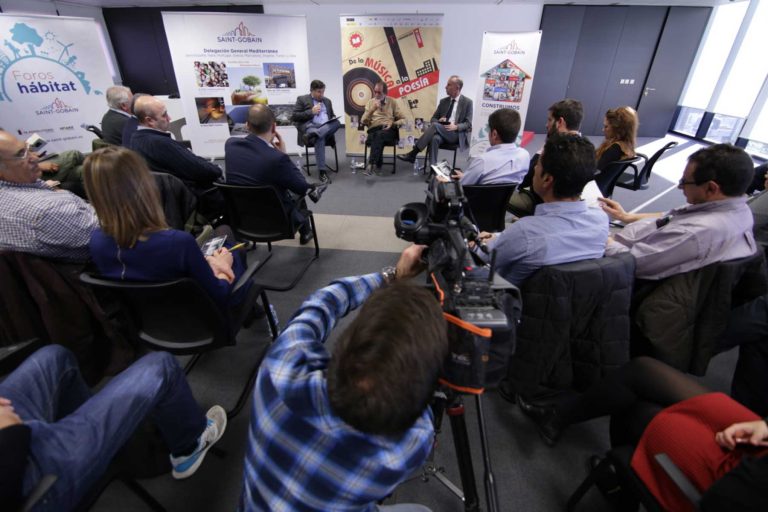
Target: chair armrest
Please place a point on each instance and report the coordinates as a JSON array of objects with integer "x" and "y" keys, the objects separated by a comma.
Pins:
[
  {"x": 247, "y": 275},
  {"x": 677, "y": 476}
]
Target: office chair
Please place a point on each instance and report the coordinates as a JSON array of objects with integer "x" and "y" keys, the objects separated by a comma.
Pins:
[
  {"x": 394, "y": 148},
  {"x": 639, "y": 181},
  {"x": 258, "y": 214},
  {"x": 330, "y": 141},
  {"x": 446, "y": 146},
  {"x": 607, "y": 178},
  {"x": 488, "y": 204}
]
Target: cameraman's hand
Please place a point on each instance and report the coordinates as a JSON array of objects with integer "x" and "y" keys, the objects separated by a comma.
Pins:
[
  {"x": 410, "y": 265},
  {"x": 485, "y": 236}
]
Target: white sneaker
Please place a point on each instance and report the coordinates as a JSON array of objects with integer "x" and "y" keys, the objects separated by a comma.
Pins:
[{"x": 186, "y": 465}]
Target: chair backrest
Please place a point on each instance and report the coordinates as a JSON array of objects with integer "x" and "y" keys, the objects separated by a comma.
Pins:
[
  {"x": 574, "y": 326},
  {"x": 257, "y": 213},
  {"x": 178, "y": 201},
  {"x": 645, "y": 174},
  {"x": 176, "y": 316},
  {"x": 607, "y": 178},
  {"x": 488, "y": 204}
]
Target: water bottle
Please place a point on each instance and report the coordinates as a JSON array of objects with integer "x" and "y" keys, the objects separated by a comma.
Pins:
[
  {"x": 416, "y": 167},
  {"x": 353, "y": 166},
  {"x": 299, "y": 164}
]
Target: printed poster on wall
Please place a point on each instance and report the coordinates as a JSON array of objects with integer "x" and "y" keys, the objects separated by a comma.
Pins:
[
  {"x": 507, "y": 63},
  {"x": 224, "y": 63},
  {"x": 54, "y": 73},
  {"x": 403, "y": 51}
]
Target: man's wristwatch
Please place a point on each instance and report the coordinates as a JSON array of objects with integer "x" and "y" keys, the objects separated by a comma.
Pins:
[{"x": 389, "y": 274}]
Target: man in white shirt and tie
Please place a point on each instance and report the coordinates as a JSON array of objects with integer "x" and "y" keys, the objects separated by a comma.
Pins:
[{"x": 451, "y": 123}]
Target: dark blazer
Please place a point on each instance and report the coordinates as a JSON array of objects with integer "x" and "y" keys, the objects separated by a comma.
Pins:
[
  {"x": 251, "y": 161},
  {"x": 463, "y": 117},
  {"x": 112, "y": 127},
  {"x": 302, "y": 112},
  {"x": 129, "y": 128}
]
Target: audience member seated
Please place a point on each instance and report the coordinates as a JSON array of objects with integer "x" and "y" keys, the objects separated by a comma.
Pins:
[
  {"x": 562, "y": 229},
  {"x": 35, "y": 217},
  {"x": 67, "y": 169},
  {"x": 715, "y": 225},
  {"x": 132, "y": 124},
  {"x": 562, "y": 117},
  {"x": 119, "y": 101},
  {"x": 51, "y": 423},
  {"x": 134, "y": 241},
  {"x": 718, "y": 444},
  {"x": 341, "y": 431},
  {"x": 163, "y": 154},
  {"x": 451, "y": 123},
  {"x": 620, "y": 129},
  {"x": 504, "y": 161},
  {"x": 383, "y": 117},
  {"x": 260, "y": 159},
  {"x": 314, "y": 120}
]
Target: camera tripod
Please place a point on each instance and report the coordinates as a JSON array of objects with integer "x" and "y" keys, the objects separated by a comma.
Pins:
[{"x": 449, "y": 401}]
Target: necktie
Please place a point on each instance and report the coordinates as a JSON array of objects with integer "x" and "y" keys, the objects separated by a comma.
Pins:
[{"x": 450, "y": 111}]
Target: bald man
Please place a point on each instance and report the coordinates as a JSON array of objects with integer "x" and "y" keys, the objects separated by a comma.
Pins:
[
  {"x": 35, "y": 216},
  {"x": 163, "y": 154}
]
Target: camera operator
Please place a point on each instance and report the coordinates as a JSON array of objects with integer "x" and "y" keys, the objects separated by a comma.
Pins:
[
  {"x": 562, "y": 228},
  {"x": 341, "y": 431}
]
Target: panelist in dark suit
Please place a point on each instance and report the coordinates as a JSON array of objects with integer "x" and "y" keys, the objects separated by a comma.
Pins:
[
  {"x": 314, "y": 120},
  {"x": 163, "y": 154},
  {"x": 451, "y": 123},
  {"x": 119, "y": 101},
  {"x": 260, "y": 159}
]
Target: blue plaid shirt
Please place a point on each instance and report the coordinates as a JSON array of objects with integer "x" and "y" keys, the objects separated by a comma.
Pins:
[
  {"x": 301, "y": 456},
  {"x": 39, "y": 220}
]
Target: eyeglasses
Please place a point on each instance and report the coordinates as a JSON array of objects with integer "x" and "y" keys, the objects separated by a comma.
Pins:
[
  {"x": 683, "y": 183},
  {"x": 21, "y": 155}
]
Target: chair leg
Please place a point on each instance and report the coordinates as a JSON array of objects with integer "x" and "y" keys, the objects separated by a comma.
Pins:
[
  {"x": 314, "y": 235},
  {"x": 306, "y": 155},
  {"x": 270, "y": 318},
  {"x": 579, "y": 493},
  {"x": 394, "y": 158},
  {"x": 191, "y": 363},
  {"x": 143, "y": 494},
  {"x": 336, "y": 157},
  {"x": 454, "y": 158}
]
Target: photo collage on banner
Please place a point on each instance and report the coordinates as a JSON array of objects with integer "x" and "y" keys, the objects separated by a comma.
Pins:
[
  {"x": 224, "y": 63},
  {"x": 53, "y": 76},
  {"x": 507, "y": 63},
  {"x": 403, "y": 51}
]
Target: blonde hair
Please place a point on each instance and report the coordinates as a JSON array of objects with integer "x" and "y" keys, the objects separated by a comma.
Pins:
[
  {"x": 623, "y": 122},
  {"x": 124, "y": 195}
]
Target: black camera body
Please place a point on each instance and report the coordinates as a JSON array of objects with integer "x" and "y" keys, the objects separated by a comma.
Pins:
[{"x": 482, "y": 308}]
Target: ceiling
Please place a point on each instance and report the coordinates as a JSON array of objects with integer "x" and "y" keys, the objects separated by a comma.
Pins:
[{"x": 159, "y": 3}]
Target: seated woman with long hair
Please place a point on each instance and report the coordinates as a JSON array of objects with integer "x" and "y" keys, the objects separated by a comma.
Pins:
[
  {"x": 620, "y": 129},
  {"x": 720, "y": 445},
  {"x": 134, "y": 241}
]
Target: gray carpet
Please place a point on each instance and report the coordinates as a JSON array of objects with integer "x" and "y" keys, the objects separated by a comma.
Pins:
[{"x": 530, "y": 476}]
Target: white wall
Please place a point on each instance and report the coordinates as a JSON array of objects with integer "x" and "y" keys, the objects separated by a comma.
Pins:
[
  {"x": 47, "y": 7},
  {"x": 463, "y": 27}
]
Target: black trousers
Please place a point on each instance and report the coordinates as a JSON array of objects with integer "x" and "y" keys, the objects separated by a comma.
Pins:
[{"x": 377, "y": 139}]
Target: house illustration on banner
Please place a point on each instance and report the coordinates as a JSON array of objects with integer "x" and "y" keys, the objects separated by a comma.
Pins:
[{"x": 505, "y": 82}]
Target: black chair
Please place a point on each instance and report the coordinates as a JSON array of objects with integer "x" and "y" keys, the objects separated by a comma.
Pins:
[
  {"x": 639, "y": 180},
  {"x": 181, "y": 318},
  {"x": 258, "y": 214},
  {"x": 330, "y": 141},
  {"x": 488, "y": 204},
  {"x": 446, "y": 146},
  {"x": 394, "y": 148},
  {"x": 607, "y": 178}
]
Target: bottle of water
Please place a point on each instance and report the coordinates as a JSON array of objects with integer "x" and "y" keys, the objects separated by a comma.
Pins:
[
  {"x": 300, "y": 164},
  {"x": 416, "y": 167},
  {"x": 353, "y": 166}
]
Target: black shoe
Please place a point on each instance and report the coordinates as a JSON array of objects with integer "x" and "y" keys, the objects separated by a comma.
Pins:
[
  {"x": 324, "y": 177},
  {"x": 408, "y": 157},
  {"x": 544, "y": 417},
  {"x": 309, "y": 140},
  {"x": 305, "y": 238},
  {"x": 506, "y": 392}
]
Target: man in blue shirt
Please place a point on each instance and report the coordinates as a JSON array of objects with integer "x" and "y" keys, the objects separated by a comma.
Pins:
[
  {"x": 562, "y": 228},
  {"x": 340, "y": 432},
  {"x": 314, "y": 119}
]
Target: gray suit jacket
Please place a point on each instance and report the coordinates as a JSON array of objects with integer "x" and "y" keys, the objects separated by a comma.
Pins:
[{"x": 463, "y": 117}]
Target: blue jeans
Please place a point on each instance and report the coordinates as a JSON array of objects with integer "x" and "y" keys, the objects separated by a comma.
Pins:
[
  {"x": 75, "y": 435},
  {"x": 322, "y": 132}
]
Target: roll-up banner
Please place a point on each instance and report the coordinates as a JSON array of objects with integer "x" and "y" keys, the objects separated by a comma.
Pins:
[
  {"x": 54, "y": 72},
  {"x": 403, "y": 51},
  {"x": 507, "y": 63},
  {"x": 224, "y": 63}
]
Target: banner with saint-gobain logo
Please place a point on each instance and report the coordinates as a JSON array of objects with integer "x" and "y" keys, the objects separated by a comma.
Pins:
[
  {"x": 507, "y": 63},
  {"x": 53, "y": 75},
  {"x": 224, "y": 63},
  {"x": 403, "y": 51}
]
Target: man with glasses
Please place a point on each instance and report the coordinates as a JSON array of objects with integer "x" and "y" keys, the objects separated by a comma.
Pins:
[
  {"x": 34, "y": 216},
  {"x": 382, "y": 116},
  {"x": 715, "y": 225}
]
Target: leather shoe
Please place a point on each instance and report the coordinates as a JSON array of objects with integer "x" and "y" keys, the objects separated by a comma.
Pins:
[
  {"x": 305, "y": 238},
  {"x": 324, "y": 177},
  {"x": 310, "y": 139},
  {"x": 544, "y": 417},
  {"x": 408, "y": 157}
]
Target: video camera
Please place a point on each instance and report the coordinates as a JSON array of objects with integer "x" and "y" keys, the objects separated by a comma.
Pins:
[{"x": 482, "y": 308}]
